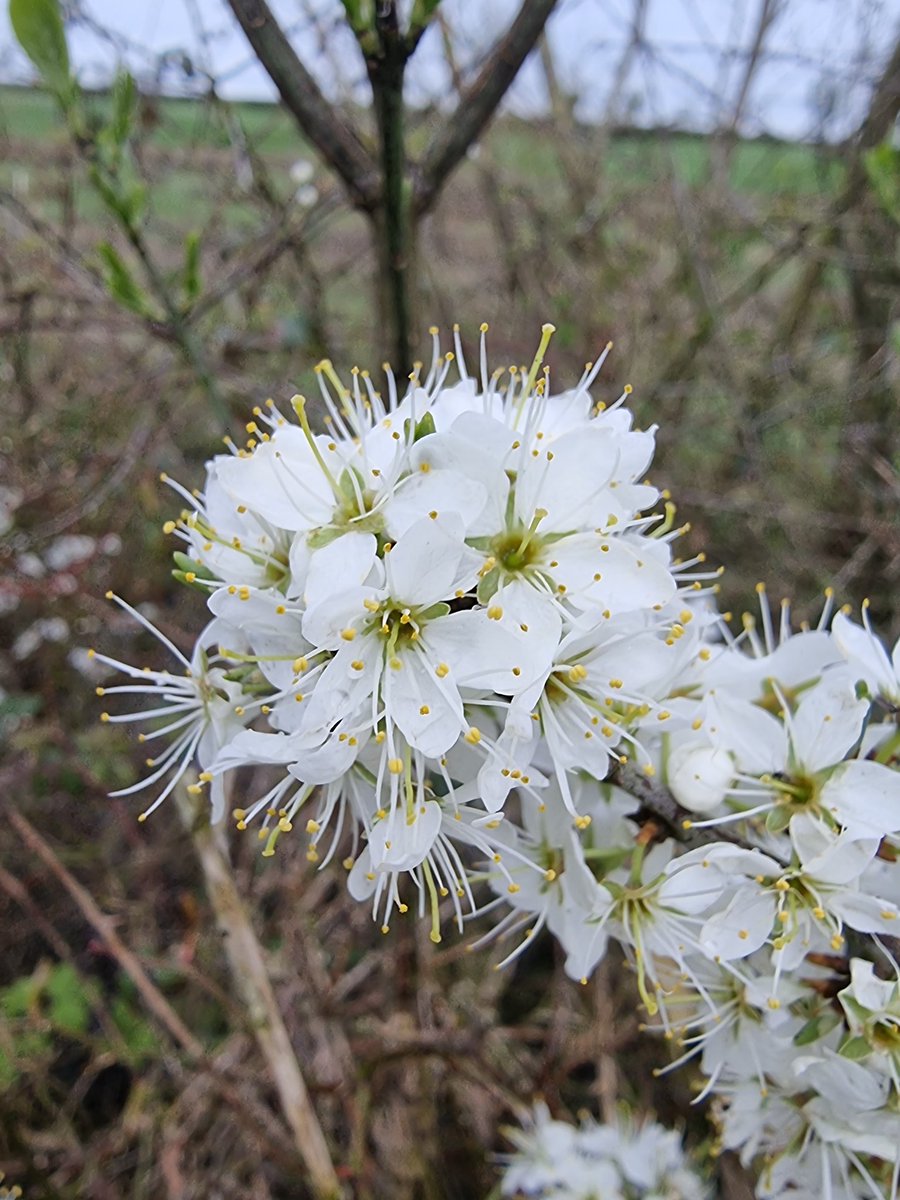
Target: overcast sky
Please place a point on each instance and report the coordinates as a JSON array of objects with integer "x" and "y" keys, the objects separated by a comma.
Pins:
[{"x": 821, "y": 55}]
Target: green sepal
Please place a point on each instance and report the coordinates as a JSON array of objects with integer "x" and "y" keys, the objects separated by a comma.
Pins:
[
  {"x": 181, "y": 577},
  {"x": 854, "y": 1048},
  {"x": 811, "y": 1032},
  {"x": 434, "y": 611},
  {"x": 488, "y": 586},
  {"x": 186, "y": 563},
  {"x": 778, "y": 819},
  {"x": 322, "y": 537},
  {"x": 423, "y": 427}
]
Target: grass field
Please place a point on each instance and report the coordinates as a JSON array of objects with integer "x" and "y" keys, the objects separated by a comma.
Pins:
[{"x": 766, "y": 166}]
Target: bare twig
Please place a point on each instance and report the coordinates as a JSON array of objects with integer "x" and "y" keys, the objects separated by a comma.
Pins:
[
  {"x": 336, "y": 141},
  {"x": 480, "y": 101}
]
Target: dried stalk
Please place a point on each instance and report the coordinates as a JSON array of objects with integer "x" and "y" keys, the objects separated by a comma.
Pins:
[{"x": 248, "y": 969}]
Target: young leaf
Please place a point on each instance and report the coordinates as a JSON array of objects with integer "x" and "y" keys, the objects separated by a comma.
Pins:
[
  {"x": 124, "y": 101},
  {"x": 70, "y": 1008},
  {"x": 38, "y": 26},
  {"x": 122, "y": 285},
  {"x": 191, "y": 277}
]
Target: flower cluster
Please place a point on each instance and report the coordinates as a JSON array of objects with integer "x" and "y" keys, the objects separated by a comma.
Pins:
[
  {"x": 557, "y": 1161},
  {"x": 454, "y": 626}
]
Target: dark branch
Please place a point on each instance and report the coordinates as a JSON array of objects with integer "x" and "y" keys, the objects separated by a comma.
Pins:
[
  {"x": 479, "y": 102},
  {"x": 659, "y": 803},
  {"x": 337, "y": 142}
]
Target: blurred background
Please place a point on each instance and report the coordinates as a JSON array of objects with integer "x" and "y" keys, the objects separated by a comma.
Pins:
[{"x": 712, "y": 184}]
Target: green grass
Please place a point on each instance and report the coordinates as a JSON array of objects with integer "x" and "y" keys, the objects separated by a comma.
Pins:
[
  {"x": 765, "y": 165},
  {"x": 30, "y": 114}
]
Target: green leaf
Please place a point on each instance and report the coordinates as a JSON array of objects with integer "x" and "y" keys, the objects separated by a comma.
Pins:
[
  {"x": 360, "y": 17},
  {"x": 38, "y": 26},
  {"x": 422, "y": 12},
  {"x": 191, "y": 275},
  {"x": 135, "y": 1030},
  {"x": 19, "y": 998},
  {"x": 883, "y": 168},
  {"x": 120, "y": 282},
  {"x": 124, "y": 105},
  {"x": 70, "y": 1008}
]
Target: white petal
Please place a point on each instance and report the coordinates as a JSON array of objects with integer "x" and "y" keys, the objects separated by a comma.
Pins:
[
  {"x": 343, "y": 564},
  {"x": 427, "y": 709},
  {"x": 865, "y": 654},
  {"x": 865, "y": 798},
  {"x": 629, "y": 573},
  {"x": 400, "y": 842},
  {"x": 826, "y": 857},
  {"x": 437, "y": 491},
  {"x": 866, "y": 914},
  {"x": 827, "y": 724},
  {"x": 343, "y": 689},
  {"x": 362, "y": 881},
  {"x": 282, "y": 481},
  {"x": 742, "y": 928},
  {"x": 430, "y": 562},
  {"x": 569, "y": 481},
  {"x": 699, "y": 777},
  {"x": 755, "y": 738},
  {"x": 480, "y": 652}
]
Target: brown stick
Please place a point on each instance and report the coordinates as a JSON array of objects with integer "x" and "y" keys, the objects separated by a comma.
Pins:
[
  {"x": 248, "y": 969},
  {"x": 337, "y": 142},
  {"x": 480, "y": 101}
]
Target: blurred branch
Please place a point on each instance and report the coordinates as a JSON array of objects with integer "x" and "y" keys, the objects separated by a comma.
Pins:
[
  {"x": 479, "y": 102},
  {"x": 882, "y": 113},
  {"x": 336, "y": 141}
]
